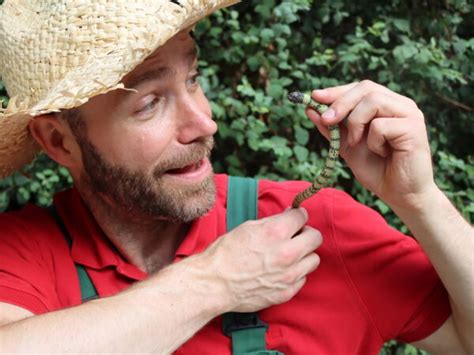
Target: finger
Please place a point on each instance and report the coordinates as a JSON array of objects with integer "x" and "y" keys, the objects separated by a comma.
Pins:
[
  {"x": 329, "y": 95},
  {"x": 376, "y": 104},
  {"x": 287, "y": 223},
  {"x": 299, "y": 271},
  {"x": 305, "y": 242},
  {"x": 307, "y": 265},
  {"x": 386, "y": 134},
  {"x": 323, "y": 129},
  {"x": 298, "y": 286},
  {"x": 376, "y": 140},
  {"x": 293, "y": 290},
  {"x": 316, "y": 119},
  {"x": 344, "y": 104}
]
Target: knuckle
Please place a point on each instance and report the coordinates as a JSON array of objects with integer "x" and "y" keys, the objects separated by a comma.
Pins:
[
  {"x": 285, "y": 257},
  {"x": 373, "y": 98},
  {"x": 411, "y": 102},
  {"x": 366, "y": 84},
  {"x": 289, "y": 277},
  {"x": 286, "y": 295},
  {"x": 371, "y": 143},
  {"x": 377, "y": 126},
  {"x": 419, "y": 114},
  {"x": 316, "y": 237},
  {"x": 270, "y": 228},
  {"x": 353, "y": 123}
]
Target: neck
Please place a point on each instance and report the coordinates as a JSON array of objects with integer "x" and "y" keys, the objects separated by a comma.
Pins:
[{"x": 147, "y": 242}]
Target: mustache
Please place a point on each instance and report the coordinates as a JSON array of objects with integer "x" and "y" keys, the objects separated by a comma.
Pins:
[{"x": 195, "y": 153}]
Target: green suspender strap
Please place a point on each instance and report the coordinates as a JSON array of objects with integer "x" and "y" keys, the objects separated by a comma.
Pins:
[
  {"x": 246, "y": 330},
  {"x": 88, "y": 291}
]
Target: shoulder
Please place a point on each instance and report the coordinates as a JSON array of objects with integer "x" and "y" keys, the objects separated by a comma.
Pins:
[
  {"x": 333, "y": 211},
  {"x": 26, "y": 226},
  {"x": 277, "y": 196},
  {"x": 29, "y": 229},
  {"x": 33, "y": 257}
]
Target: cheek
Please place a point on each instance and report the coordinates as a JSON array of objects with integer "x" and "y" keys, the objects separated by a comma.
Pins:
[
  {"x": 137, "y": 149},
  {"x": 148, "y": 147}
]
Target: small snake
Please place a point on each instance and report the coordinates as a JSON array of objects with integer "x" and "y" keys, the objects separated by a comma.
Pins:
[{"x": 335, "y": 142}]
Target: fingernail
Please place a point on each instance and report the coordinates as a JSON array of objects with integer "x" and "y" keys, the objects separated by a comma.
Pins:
[{"x": 329, "y": 114}]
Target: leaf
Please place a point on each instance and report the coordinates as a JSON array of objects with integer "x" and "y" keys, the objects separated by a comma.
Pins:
[
  {"x": 402, "y": 24},
  {"x": 404, "y": 52},
  {"x": 301, "y": 135},
  {"x": 267, "y": 35},
  {"x": 301, "y": 153}
]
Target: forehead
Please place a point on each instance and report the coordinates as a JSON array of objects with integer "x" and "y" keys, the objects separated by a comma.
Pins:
[{"x": 179, "y": 49}]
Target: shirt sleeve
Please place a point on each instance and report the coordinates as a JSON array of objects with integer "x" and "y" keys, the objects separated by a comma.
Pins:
[
  {"x": 25, "y": 273},
  {"x": 393, "y": 279}
]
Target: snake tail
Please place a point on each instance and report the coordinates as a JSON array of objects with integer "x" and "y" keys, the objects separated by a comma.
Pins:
[{"x": 324, "y": 177}]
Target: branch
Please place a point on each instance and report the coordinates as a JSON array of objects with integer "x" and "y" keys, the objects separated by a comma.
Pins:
[{"x": 455, "y": 103}]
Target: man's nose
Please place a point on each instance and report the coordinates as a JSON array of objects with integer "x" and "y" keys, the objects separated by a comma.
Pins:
[{"x": 195, "y": 119}]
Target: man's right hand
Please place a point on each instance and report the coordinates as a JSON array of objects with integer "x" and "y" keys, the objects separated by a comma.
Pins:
[
  {"x": 258, "y": 264},
  {"x": 264, "y": 262}
]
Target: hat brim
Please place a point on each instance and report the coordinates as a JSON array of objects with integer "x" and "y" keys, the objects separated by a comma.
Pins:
[{"x": 101, "y": 74}]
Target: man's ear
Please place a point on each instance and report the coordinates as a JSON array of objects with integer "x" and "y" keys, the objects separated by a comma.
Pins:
[{"x": 55, "y": 137}]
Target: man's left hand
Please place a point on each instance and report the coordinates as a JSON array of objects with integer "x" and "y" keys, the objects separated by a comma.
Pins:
[{"x": 384, "y": 141}]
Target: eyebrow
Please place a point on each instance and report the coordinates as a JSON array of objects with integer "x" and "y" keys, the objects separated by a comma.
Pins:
[{"x": 159, "y": 73}]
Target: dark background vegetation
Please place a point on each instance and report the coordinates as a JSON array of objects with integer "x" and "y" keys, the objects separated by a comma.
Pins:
[{"x": 253, "y": 54}]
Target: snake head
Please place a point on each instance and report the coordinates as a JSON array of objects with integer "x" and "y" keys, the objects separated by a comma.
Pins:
[{"x": 296, "y": 97}]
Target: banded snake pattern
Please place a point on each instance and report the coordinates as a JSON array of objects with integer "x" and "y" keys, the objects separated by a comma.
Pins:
[{"x": 326, "y": 173}]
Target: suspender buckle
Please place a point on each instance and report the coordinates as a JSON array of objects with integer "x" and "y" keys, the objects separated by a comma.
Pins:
[{"x": 238, "y": 321}]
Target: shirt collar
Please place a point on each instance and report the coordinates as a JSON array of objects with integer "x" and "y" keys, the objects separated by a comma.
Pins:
[
  {"x": 93, "y": 249},
  {"x": 90, "y": 246}
]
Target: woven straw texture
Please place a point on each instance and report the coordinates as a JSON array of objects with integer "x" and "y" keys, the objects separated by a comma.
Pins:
[{"x": 57, "y": 54}]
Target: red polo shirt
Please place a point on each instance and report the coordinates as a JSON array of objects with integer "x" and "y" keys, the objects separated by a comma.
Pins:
[{"x": 373, "y": 284}]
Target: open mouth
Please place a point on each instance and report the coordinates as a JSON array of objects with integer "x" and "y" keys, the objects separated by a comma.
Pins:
[{"x": 186, "y": 169}]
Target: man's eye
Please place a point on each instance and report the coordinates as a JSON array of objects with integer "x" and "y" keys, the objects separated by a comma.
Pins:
[
  {"x": 150, "y": 107},
  {"x": 194, "y": 79}
]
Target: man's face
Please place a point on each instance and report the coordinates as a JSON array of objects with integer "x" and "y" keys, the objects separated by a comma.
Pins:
[{"x": 148, "y": 152}]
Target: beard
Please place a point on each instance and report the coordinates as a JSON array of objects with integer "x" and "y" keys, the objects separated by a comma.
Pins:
[{"x": 149, "y": 195}]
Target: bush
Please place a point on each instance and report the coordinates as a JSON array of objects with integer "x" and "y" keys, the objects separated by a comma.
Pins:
[
  {"x": 256, "y": 52},
  {"x": 273, "y": 47}
]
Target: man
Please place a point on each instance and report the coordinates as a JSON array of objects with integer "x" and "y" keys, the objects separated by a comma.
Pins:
[{"x": 145, "y": 197}]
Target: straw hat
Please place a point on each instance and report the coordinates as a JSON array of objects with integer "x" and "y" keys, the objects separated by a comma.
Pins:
[{"x": 57, "y": 54}]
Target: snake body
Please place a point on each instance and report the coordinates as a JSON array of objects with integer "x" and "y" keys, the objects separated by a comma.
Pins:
[{"x": 326, "y": 173}]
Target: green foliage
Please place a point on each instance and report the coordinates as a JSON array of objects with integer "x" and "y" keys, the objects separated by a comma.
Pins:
[
  {"x": 37, "y": 184},
  {"x": 253, "y": 54},
  {"x": 394, "y": 348},
  {"x": 259, "y": 51}
]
